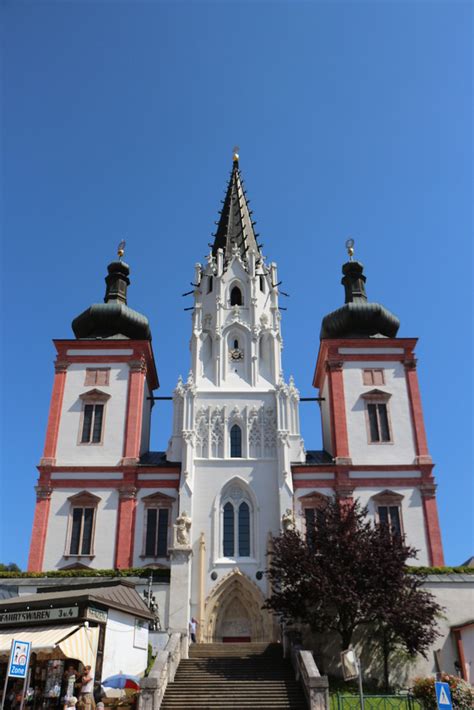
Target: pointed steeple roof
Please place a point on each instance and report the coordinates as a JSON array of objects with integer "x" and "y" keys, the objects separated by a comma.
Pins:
[{"x": 235, "y": 227}]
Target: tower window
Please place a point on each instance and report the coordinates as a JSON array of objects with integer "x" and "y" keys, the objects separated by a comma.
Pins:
[
  {"x": 92, "y": 424},
  {"x": 373, "y": 377},
  {"x": 379, "y": 430},
  {"x": 236, "y": 442},
  {"x": 97, "y": 376},
  {"x": 262, "y": 283},
  {"x": 388, "y": 509},
  {"x": 236, "y": 296},
  {"x": 209, "y": 284},
  {"x": 156, "y": 537},
  {"x": 236, "y": 344},
  {"x": 82, "y": 516}
]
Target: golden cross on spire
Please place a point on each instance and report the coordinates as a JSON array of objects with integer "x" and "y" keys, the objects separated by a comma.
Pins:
[
  {"x": 235, "y": 157},
  {"x": 350, "y": 248},
  {"x": 121, "y": 249}
]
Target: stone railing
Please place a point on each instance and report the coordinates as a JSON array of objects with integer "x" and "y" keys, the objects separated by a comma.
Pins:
[
  {"x": 163, "y": 672},
  {"x": 315, "y": 686}
]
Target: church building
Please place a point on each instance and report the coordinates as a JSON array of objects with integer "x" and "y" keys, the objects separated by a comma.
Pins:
[{"x": 236, "y": 471}]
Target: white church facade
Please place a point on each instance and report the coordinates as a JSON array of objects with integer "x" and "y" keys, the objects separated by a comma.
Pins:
[{"x": 236, "y": 470}]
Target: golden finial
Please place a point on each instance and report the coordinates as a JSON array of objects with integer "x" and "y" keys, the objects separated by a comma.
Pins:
[
  {"x": 235, "y": 157},
  {"x": 350, "y": 248},
  {"x": 121, "y": 249}
]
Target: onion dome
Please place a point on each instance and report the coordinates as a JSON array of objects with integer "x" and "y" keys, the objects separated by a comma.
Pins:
[
  {"x": 113, "y": 318},
  {"x": 358, "y": 317}
]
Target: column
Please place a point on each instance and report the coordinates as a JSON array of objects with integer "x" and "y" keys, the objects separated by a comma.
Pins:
[
  {"x": 433, "y": 532},
  {"x": 125, "y": 527},
  {"x": 54, "y": 418},
  {"x": 414, "y": 396},
  {"x": 339, "y": 436},
  {"x": 180, "y": 582},
  {"x": 40, "y": 528},
  {"x": 134, "y": 415}
]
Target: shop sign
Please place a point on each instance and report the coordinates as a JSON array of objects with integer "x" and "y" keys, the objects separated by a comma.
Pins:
[
  {"x": 26, "y": 617},
  {"x": 140, "y": 637},
  {"x": 19, "y": 657},
  {"x": 94, "y": 614}
]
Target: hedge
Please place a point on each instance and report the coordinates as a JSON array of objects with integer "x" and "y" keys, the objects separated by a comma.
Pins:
[{"x": 159, "y": 575}]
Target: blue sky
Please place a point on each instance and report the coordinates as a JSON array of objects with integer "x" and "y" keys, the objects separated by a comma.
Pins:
[{"x": 353, "y": 118}]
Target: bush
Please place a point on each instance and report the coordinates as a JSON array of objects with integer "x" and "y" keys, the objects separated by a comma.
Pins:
[{"x": 462, "y": 693}]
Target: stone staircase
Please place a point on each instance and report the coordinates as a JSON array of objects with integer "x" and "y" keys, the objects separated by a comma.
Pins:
[{"x": 234, "y": 675}]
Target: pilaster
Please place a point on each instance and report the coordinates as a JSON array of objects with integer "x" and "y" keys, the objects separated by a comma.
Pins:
[
  {"x": 433, "y": 532},
  {"x": 125, "y": 527},
  {"x": 40, "y": 527}
]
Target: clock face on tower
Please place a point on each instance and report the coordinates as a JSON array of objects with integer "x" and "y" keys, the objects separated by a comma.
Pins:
[{"x": 236, "y": 354}]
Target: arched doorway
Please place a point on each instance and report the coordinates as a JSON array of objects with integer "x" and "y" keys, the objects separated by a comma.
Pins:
[{"x": 234, "y": 612}]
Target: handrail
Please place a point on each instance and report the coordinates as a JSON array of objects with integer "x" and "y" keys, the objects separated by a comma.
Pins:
[
  {"x": 315, "y": 686},
  {"x": 163, "y": 671}
]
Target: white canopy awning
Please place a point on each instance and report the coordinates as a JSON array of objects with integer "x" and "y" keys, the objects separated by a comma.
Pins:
[
  {"x": 82, "y": 645},
  {"x": 42, "y": 638}
]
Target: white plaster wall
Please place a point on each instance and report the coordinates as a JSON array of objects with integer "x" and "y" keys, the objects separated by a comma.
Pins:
[
  {"x": 140, "y": 520},
  {"x": 105, "y": 529},
  {"x": 401, "y": 450},
  {"x": 325, "y": 417},
  {"x": 110, "y": 451},
  {"x": 120, "y": 655},
  {"x": 457, "y": 598},
  {"x": 210, "y": 478},
  {"x": 412, "y": 516}
]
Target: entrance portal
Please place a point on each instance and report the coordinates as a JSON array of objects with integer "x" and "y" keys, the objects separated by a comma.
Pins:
[{"x": 234, "y": 612}]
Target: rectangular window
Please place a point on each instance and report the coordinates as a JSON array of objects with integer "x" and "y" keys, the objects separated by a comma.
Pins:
[
  {"x": 98, "y": 376},
  {"x": 390, "y": 515},
  {"x": 92, "y": 424},
  {"x": 379, "y": 429},
  {"x": 156, "y": 538},
  {"x": 373, "y": 377},
  {"x": 81, "y": 532},
  {"x": 310, "y": 519}
]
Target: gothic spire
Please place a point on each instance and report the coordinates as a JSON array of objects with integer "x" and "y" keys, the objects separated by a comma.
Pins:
[{"x": 235, "y": 226}]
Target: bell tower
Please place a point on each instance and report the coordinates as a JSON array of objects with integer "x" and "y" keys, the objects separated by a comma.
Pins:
[{"x": 372, "y": 415}]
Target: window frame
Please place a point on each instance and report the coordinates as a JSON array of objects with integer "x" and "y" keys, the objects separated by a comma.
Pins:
[
  {"x": 389, "y": 499},
  {"x": 312, "y": 501},
  {"x": 157, "y": 501},
  {"x": 371, "y": 371},
  {"x": 93, "y": 397},
  {"x": 228, "y": 501},
  {"x": 377, "y": 397},
  {"x": 233, "y": 427},
  {"x": 90, "y": 371},
  {"x": 81, "y": 501}
]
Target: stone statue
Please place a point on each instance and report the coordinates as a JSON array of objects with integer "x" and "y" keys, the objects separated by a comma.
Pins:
[
  {"x": 288, "y": 520},
  {"x": 182, "y": 528}
]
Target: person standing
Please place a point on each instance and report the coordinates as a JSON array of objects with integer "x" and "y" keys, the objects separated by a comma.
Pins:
[
  {"x": 87, "y": 690},
  {"x": 192, "y": 629}
]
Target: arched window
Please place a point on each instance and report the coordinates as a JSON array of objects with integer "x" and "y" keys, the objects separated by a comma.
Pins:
[
  {"x": 209, "y": 284},
  {"x": 244, "y": 530},
  {"x": 236, "y": 526},
  {"x": 228, "y": 530},
  {"x": 236, "y": 296},
  {"x": 236, "y": 344},
  {"x": 236, "y": 442}
]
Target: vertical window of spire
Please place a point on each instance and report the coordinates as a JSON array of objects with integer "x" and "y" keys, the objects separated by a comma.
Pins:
[
  {"x": 209, "y": 284},
  {"x": 236, "y": 442},
  {"x": 236, "y": 296},
  {"x": 262, "y": 283}
]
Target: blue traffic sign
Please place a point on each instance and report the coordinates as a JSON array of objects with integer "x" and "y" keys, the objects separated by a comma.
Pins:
[
  {"x": 443, "y": 696},
  {"x": 19, "y": 659}
]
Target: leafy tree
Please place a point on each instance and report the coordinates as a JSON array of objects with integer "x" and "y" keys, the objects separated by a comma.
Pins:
[
  {"x": 348, "y": 573},
  {"x": 12, "y": 567}
]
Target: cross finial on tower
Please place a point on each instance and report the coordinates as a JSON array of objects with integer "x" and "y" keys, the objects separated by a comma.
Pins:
[
  {"x": 350, "y": 248},
  {"x": 235, "y": 157},
  {"x": 121, "y": 249}
]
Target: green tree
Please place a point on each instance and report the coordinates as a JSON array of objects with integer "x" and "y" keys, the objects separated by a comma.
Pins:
[{"x": 12, "y": 567}]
